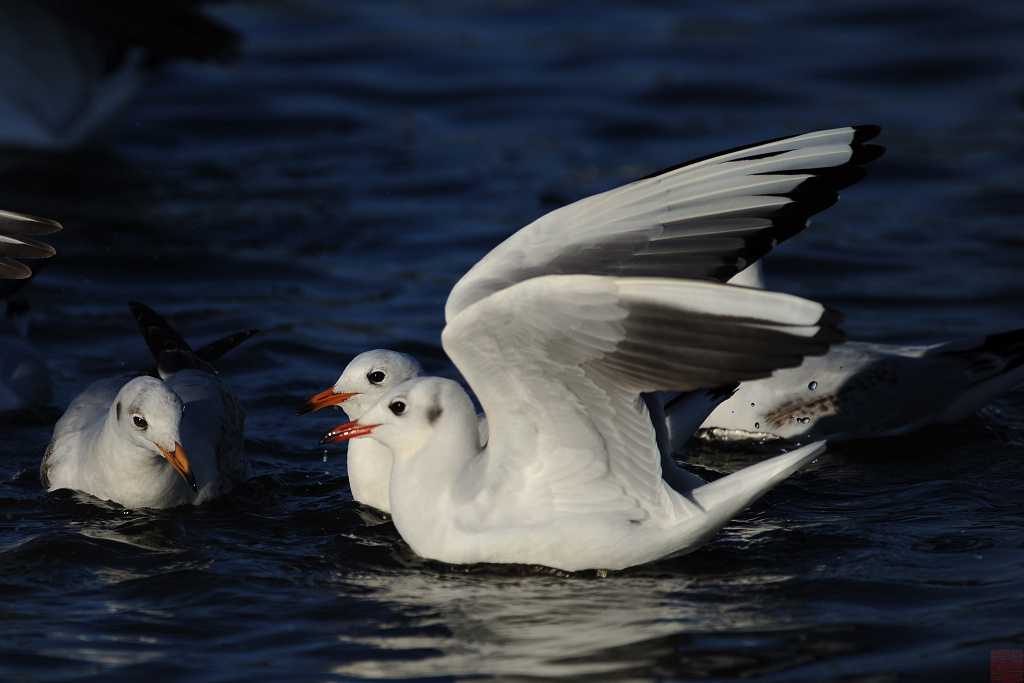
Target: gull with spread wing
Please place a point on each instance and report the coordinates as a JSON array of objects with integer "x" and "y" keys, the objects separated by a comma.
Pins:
[
  {"x": 706, "y": 219},
  {"x": 572, "y": 476}
]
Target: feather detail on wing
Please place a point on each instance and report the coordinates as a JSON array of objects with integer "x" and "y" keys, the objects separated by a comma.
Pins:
[
  {"x": 561, "y": 361},
  {"x": 14, "y": 244},
  {"x": 706, "y": 219}
]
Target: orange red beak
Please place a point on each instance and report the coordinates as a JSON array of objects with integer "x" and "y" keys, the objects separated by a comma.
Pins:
[
  {"x": 324, "y": 399},
  {"x": 179, "y": 462},
  {"x": 349, "y": 430}
]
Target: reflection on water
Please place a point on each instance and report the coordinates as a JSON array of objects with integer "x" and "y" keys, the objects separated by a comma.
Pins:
[
  {"x": 548, "y": 626},
  {"x": 331, "y": 184}
]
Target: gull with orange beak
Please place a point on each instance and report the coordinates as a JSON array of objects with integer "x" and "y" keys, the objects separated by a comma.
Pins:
[
  {"x": 160, "y": 441},
  {"x": 366, "y": 378}
]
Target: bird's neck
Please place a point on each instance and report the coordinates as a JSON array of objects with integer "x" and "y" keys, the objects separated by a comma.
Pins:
[
  {"x": 429, "y": 488},
  {"x": 131, "y": 474}
]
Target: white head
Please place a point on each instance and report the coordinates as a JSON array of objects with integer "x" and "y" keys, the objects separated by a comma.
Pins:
[
  {"x": 412, "y": 414},
  {"x": 367, "y": 377},
  {"x": 147, "y": 414}
]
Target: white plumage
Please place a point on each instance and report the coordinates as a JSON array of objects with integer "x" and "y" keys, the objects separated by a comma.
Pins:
[
  {"x": 158, "y": 442},
  {"x": 706, "y": 219},
  {"x": 571, "y": 476}
]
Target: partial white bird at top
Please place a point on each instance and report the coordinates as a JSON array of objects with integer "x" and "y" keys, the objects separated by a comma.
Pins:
[
  {"x": 160, "y": 440},
  {"x": 860, "y": 389},
  {"x": 572, "y": 476},
  {"x": 706, "y": 219},
  {"x": 70, "y": 66}
]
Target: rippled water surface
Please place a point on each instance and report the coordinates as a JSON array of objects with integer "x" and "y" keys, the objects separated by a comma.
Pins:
[{"x": 331, "y": 184}]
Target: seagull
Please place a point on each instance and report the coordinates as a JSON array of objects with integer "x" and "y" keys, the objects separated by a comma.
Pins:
[
  {"x": 572, "y": 476},
  {"x": 861, "y": 390},
  {"x": 709, "y": 219},
  {"x": 71, "y": 66},
  {"x": 160, "y": 441},
  {"x": 364, "y": 381},
  {"x": 373, "y": 373}
]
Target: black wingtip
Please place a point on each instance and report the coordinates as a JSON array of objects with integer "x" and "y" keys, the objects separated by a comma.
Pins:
[
  {"x": 168, "y": 348},
  {"x": 862, "y": 134},
  {"x": 831, "y": 317},
  {"x": 215, "y": 349},
  {"x": 160, "y": 336}
]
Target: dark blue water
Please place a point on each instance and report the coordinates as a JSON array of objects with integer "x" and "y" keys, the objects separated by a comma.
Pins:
[{"x": 331, "y": 184}]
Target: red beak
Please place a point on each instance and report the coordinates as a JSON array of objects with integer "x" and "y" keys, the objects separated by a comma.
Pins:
[
  {"x": 349, "y": 430},
  {"x": 322, "y": 400}
]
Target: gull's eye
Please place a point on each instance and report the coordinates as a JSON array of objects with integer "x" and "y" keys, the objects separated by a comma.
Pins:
[
  {"x": 139, "y": 421},
  {"x": 397, "y": 407},
  {"x": 376, "y": 377}
]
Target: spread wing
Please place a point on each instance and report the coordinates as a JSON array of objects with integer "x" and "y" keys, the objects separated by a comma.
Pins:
[
  {"x": 558, "y": 364},
  {"x": 14, "y": 244},
  {"x": 705, "y": 219}
]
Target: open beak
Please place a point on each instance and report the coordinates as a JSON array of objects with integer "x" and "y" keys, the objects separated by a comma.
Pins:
[
  {"x": 324, "y": 399},
  {"x": 179, "y": 462},
  {"x": 349, "y": 430}
]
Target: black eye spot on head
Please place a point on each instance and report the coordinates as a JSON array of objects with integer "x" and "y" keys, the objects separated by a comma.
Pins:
[
  {"x": 434, "y": 413},
  {"x": 139, "y": 422},
  {"x": 376, "y": 376},
  {"x": 397, "y": 407}
]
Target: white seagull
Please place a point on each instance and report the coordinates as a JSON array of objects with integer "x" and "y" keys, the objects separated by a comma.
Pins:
[
  {"x": 364, "y": 381},
  {"x": 572, "y": 476},
  {"x": 158, "y": 442},
  {"x": 707, "y": 219},
  {"x": 861, "y": 390},
  {"x": 374, "y": 373}
]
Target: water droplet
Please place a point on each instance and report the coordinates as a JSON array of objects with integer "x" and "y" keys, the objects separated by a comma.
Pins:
[
  {"x": 813, "y": 385},
  {"x": 757, "y": 425},
  {"x": 751, "y": 405},
  {"x": 803, "y": 420}
]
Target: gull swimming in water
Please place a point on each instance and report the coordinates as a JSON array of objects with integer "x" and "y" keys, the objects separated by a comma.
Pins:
[
  {"x": 159, "y": 441},
  {"x": 707, "y": 219},
  {"x": 572, "y": 476},
  {"x": 373, "y": 373},
  {"x": 366, "y": 379},
  {"x": 859, "y": 389}
]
